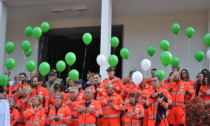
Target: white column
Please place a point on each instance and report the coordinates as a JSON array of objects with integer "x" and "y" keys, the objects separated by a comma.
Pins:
[
  {"x": 3, "y": 23},
  {"x": 106, "y": 25}
]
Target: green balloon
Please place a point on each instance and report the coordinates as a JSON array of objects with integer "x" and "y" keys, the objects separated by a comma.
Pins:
[
  {"x": 175, "y": 62},
  {"x": 124, "y": 52},
  {"x": 29, "y": 52},
  {"x": 165, "y": 58},
  {"x": 28, "y": 31},
  {"x": 60, "y": 65},
  {"x": 175, "y": 28},
  {"x": 9, "y": 47},
  {"x": 44, "y": 68},
  {"x": 26, "y": 45},
  {"x": 164, "y": 45},
  {"x": 74, "y": 74},
  {"x": 4, "y": 80},
  {"x": 151, "y": 50},
  {"x": 45, "y": 27},
  {"x": 70, "y": 58},
  {"x": 161, "y": 74},
  {"x": 189, "y": 32},
  {"x": 10, "y": 63},
  {"x": 199, "y": 56},
  {"x": 206, "y": 39},
  {"x": 87, "y": 38},
  {"x": 114, "y": 42},
  {"x": 113, "y": 60},
  {"x": 30, "y": 66},
  {"x": 37, "y": 32}
]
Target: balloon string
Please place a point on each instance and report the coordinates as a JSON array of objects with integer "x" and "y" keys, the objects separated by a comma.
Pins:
[
  {"x": 84, "y": 62},
  {"x": 69, "y": 67},
  {"x": 188, "y": 55},
  {"x": 175, "y": 45},
  {"x": 35, "y": 50},
  {"x": 41, "y": 49},
  {"x": 23, "y": 63},
  {"x": 128, "y": 65},
  {"x": 114, "y": 51},
  {"x": 200, "y": 65},
  {"x": 59, "y": 74}
]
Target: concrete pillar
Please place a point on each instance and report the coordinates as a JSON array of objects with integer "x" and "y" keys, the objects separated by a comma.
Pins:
[
  {"x": 106, "y": 25},
  {"x": 3, "y": 24}
]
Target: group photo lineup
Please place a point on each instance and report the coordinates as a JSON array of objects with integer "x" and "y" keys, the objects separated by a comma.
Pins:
[{"x": 104, "y": 63}]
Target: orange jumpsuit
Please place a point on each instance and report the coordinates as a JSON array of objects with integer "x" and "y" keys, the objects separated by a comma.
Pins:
[
  {"x": 132, "y": 114},
  {"x": 63, "y": 112},
  {"x": 129, "y": 90},
  {"x": 117, "y": 84},
  {"x": 178, "y": 91},
  {"x": 34, "y": 117},
  {"x": 87, "y": 118},
  {"x": 152, "y": 106},
  {"x": 43, "y": 93},
  {"x": 111, "y": 114},
  {"x": 14, "y": 116}
]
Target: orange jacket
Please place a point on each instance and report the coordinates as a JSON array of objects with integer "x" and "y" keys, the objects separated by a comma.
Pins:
[
  {"x": 100, "y": 92},
  {"x": 34, "y": 117},
  {"x": 146, "y": 91},
  {"x": 87, "y": 117},
  {"x": 14, "y": 116},
  {"x": 127, "y": 89},
  {"x": 111, "y": 111},
  {"x": 72, "y": 107},
  {"x": 152, "y": 104},
  {"x": 63, "y": 112},
  {"x": 131, "y": 112},
  {"x": 204, "y": 88},
  {"x": 20, "y": 85},
  {"x": 44, "y": 94},
  {"x": 52, "y": 100},
  {"x": 148, "y": 81},
  {"x": 117, "y": 82},
  {"x": 178, "y": 91},
  {"x": 81, "y": 94}
]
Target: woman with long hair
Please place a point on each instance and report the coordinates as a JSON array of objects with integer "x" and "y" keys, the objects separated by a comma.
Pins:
[
  {"x": 35, "y": 114},
  {"x": 204, "y": 92},
  {"x": 198, "y": 83}
]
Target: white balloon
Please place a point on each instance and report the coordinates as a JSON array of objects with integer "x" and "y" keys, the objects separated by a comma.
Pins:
[
  {"x": 137, "y": 77},
  {"x": 208, "y": 54},
  {"x": 146, "y": 64},
  {"x": 101, "y": 60}
]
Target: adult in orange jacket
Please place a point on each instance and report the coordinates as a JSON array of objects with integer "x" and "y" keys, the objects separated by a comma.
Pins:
[
  {"x": 99, "y": 87},
  {"x": 88, "y": 109},
  {"x": 148, "y": 80},
  {"x": 133, "y": 112},
  {"x": 59, "y": 114},
  {"x": 24, "y": 103},
  {"x": 42, "y": 92},
  {"x": 178, "y": 89},
  {"x": 35, "y": 114},
  {"x": 14, "y": 114},
  {"x": 72, "y": 103},
  {"x": 57, "y": 88},
  {"x": 158, "y": 104},
  {"x": 117, "y": 82},
  {"x": 111, "y": 106},
  {"x": 204, "y": 91}
]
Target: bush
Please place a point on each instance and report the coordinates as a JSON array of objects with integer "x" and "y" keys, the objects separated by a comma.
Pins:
[{"x": 197, "y": 113}]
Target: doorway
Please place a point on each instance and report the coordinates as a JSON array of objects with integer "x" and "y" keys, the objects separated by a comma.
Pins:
[{"x": 54, "y": 45}]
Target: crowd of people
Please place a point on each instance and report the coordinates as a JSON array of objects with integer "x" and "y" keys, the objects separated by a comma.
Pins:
[{"x": 108, "y": 102}]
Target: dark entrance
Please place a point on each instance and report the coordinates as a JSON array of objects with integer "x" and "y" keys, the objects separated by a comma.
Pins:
[{"x": 57, "y": 42}]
